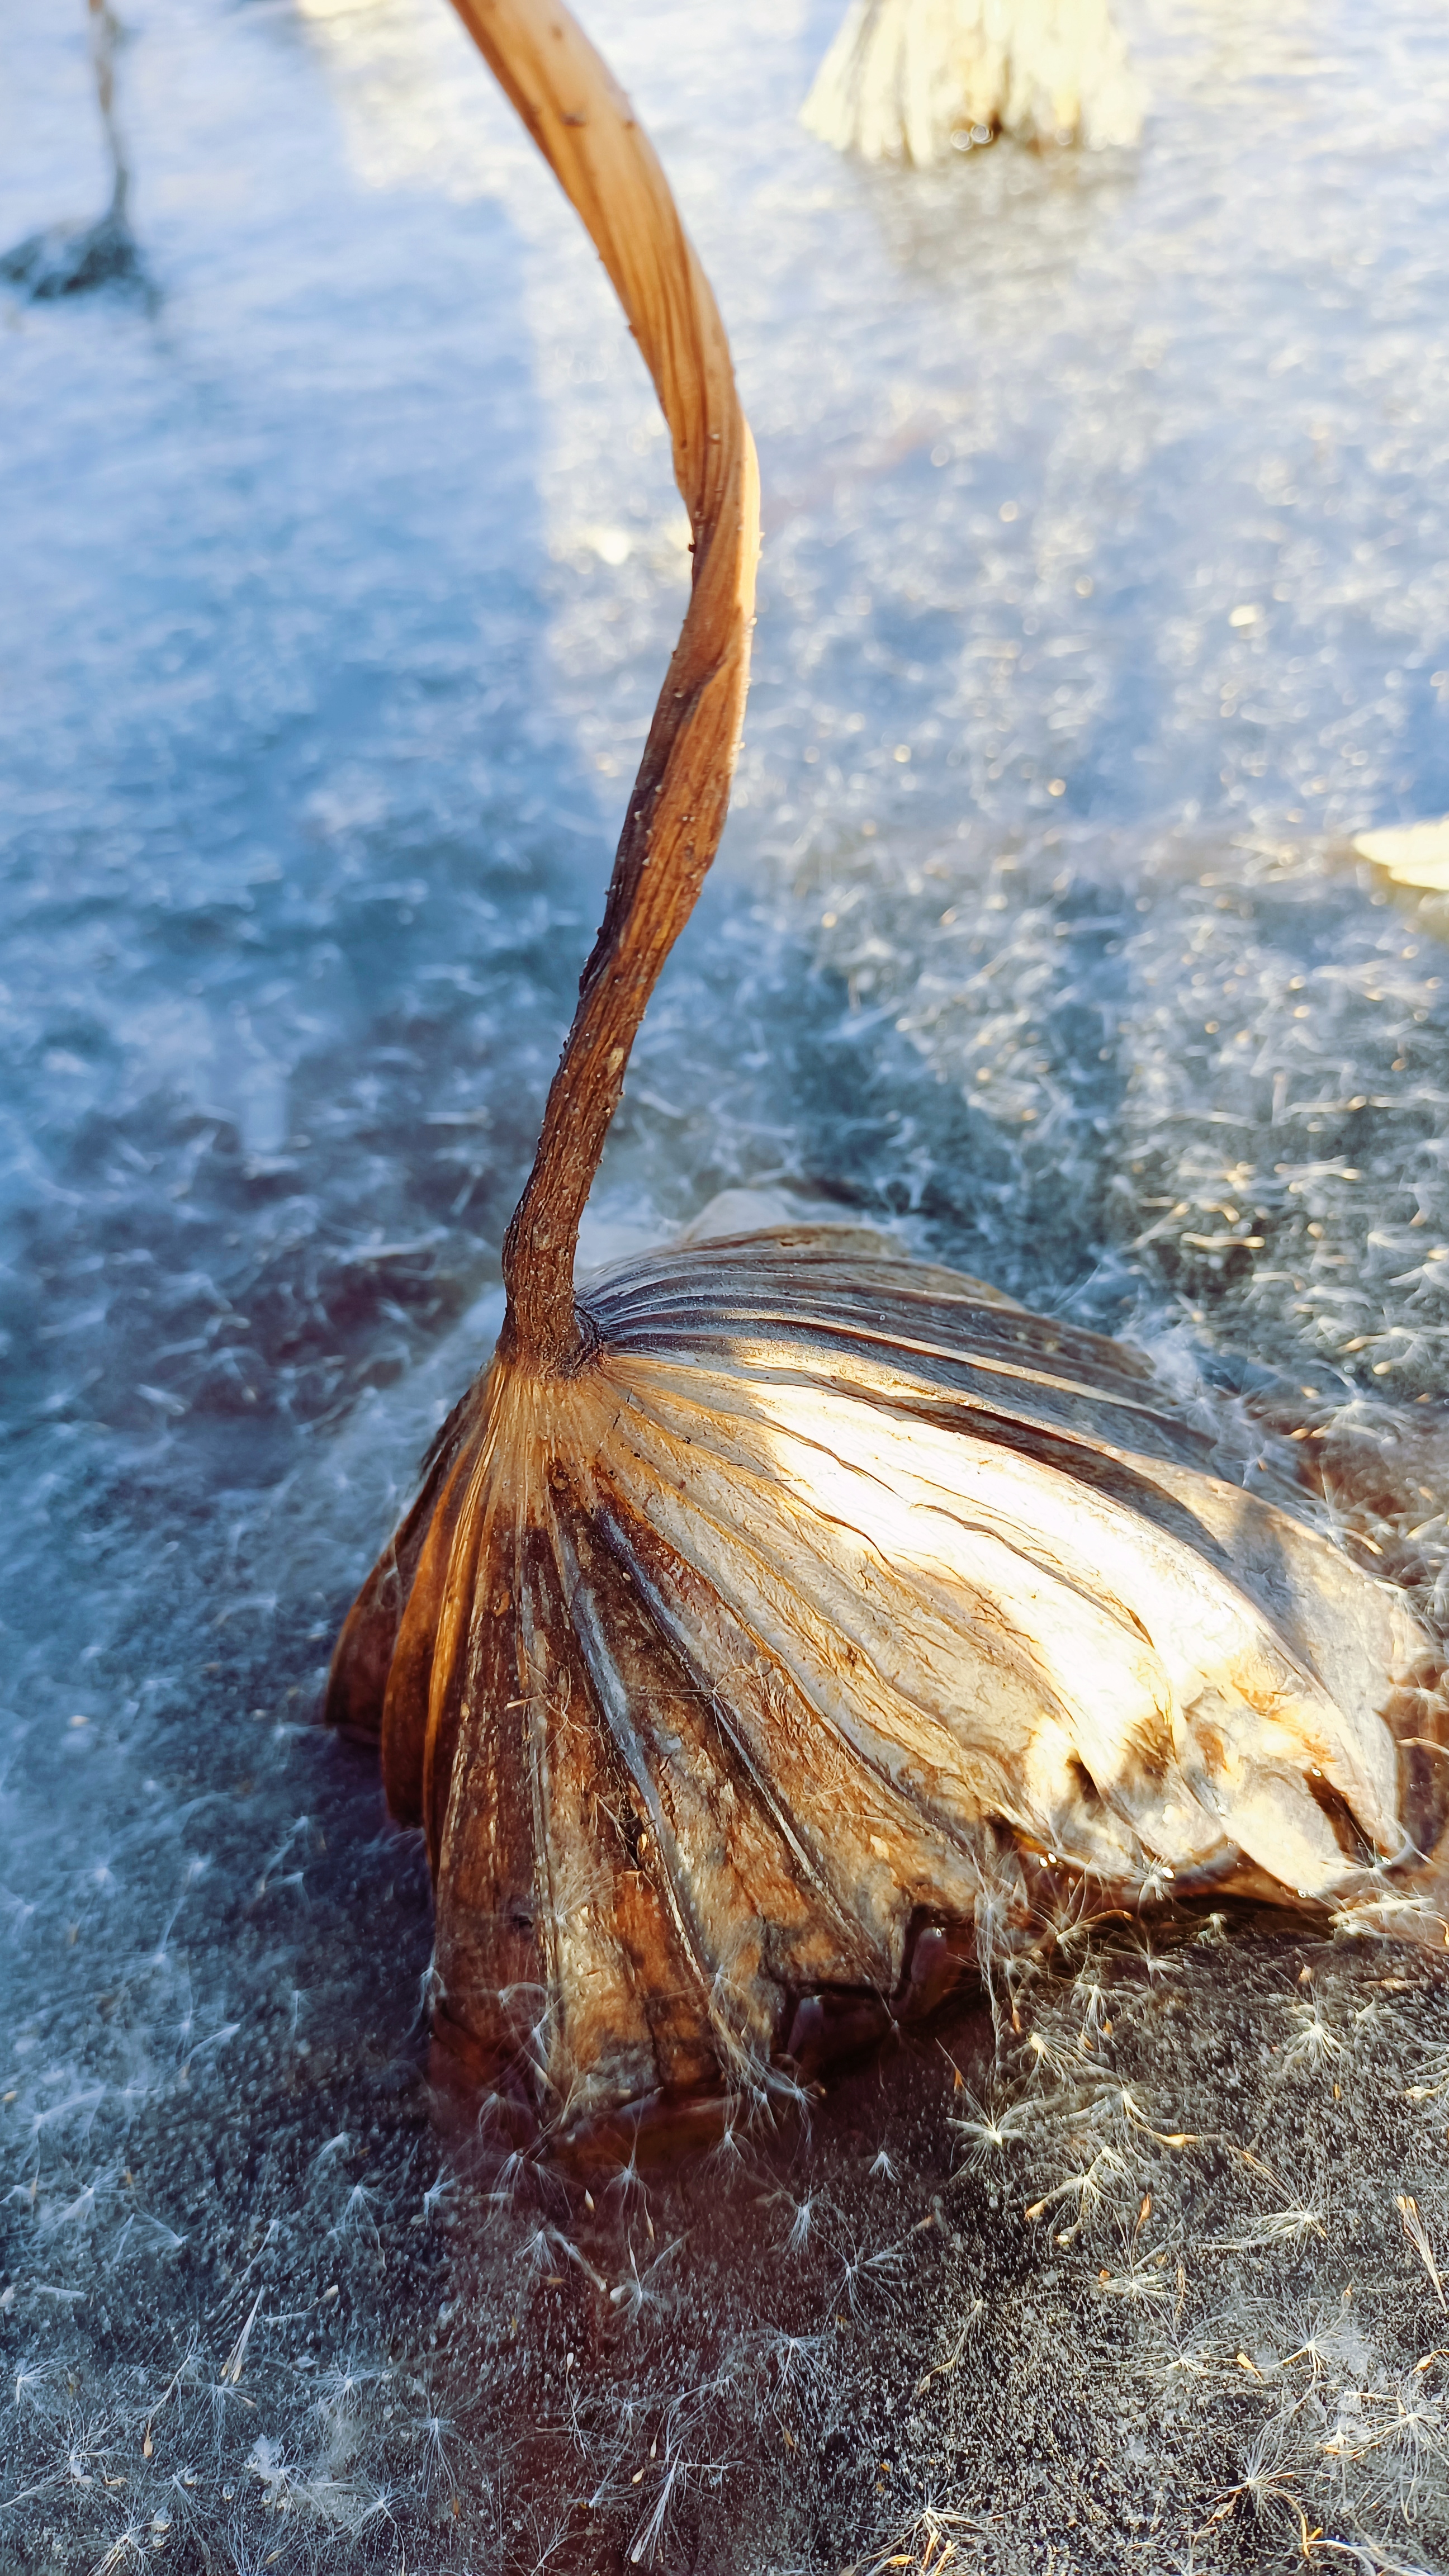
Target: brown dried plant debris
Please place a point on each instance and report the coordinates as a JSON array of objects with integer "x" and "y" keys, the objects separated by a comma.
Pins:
[{"x": 786, "y": 1629}]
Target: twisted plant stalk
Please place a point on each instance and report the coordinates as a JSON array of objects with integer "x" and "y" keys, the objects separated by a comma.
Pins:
[
  {"x": 588, "y": 133},
  {"x": 786, "y": 1622}
]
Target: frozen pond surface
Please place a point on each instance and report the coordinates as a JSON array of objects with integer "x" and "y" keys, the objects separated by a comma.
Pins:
[{"x": 1106, "y": 593}]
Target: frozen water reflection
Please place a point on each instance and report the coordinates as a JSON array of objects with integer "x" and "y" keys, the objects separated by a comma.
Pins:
[{"x": 1106, "y": 593}]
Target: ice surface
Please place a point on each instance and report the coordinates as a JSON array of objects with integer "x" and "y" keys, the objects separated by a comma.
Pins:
[{"x": 1105, "y": 598}]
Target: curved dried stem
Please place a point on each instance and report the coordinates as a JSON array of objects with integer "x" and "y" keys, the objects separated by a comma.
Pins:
[{"x": 588, "y": 133}]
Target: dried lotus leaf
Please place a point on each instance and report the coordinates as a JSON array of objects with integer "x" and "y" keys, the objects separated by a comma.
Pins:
[
  {"x": 764, "y": 1629},
  {"x": 781, "y": 1620}
]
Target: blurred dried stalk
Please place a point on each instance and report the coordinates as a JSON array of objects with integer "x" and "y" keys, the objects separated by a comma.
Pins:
[
  {"x": 70, "y": 259},
  {"x": 914, "y": 80}
]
